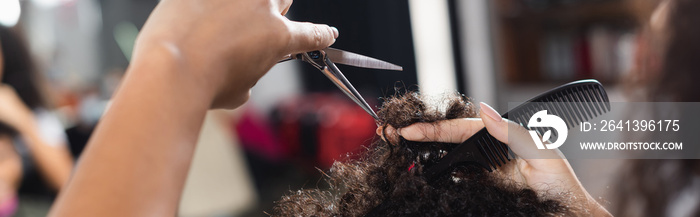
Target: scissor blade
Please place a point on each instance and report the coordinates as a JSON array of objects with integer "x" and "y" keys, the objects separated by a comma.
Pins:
[{"x": 353, "y": 59}]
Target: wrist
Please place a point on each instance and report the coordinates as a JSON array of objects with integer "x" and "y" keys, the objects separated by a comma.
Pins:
[
  {"x": 589, "y": 206},
  {"x": 165, "y": 64},
  {"x": 222, "y": 86},
  {"x": 596, "y": 209}
]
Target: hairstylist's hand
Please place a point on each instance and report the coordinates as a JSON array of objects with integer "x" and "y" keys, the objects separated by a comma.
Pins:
[
  {"x": 228, "y": 44},
  {"x": 190, "y": 56},
  {"x": 542, "y": 170}
]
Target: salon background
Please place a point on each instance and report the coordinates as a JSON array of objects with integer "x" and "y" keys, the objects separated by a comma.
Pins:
[{"x": 297, "y": 122}]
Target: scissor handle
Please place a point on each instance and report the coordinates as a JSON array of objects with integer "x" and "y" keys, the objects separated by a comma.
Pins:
[{"x": 320, "y": 61}]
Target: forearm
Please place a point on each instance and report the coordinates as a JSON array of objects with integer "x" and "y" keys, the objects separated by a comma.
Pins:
[
  {"x": 598, "y": 210},
  {"x": 137, "y": 160}
]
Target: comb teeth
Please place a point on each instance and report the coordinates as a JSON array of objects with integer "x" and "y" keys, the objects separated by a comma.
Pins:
[
  {"x": 491, "y": 148},
  {"x": 481, "y": 149},
  {"x": 574, "y": 102}
]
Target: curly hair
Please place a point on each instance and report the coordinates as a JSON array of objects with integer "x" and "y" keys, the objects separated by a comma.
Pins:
[{"x": 387, "y": 180}]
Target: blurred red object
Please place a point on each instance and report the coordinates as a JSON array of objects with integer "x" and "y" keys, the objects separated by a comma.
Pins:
[
  {"x": 258, "y": 136},
  {"x": 322, "y": 128}
]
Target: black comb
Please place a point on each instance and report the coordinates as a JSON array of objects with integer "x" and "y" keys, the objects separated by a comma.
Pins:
[{"x": 574, "y": 102}]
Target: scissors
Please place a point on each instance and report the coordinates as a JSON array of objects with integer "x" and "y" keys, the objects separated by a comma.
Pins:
[{"x": 325, "y": 59}]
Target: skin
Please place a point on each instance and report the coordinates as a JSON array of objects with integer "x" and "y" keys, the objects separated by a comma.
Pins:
[
  {"x": 541, "y": 170},
  {"x": 53, "y": 161},
  {"x": 190, "y": 56}
]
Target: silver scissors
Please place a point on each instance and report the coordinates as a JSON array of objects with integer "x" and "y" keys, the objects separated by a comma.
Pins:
[{"x": 324, "y": 60}]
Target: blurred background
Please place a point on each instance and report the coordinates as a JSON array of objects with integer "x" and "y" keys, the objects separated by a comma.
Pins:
[{"x": 297, "y": 122}]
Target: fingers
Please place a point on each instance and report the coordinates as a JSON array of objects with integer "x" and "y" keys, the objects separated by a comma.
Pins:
[
  {"x": 307, "y": 37},
  {"x": 459, "y": 130},
  {"x": 390, "y": 132},
  {"x": 516, "y": 136},
  {"x": 450, "y": 131}
]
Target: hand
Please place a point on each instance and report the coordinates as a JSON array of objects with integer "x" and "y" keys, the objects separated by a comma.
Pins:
[
  {"x": 13, "y": 111},
  {"x": 228, "y": 44},
  {"x": 190, "y": 56},
  {"x": 541, "y": 170}
]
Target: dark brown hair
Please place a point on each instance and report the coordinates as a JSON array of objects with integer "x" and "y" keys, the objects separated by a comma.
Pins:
[
  {"x": 666, "y": 65},
  {"x": 19, "y": 70},
  {"x": 391, "y": 175},
  {"x": 680, "y": 68}
]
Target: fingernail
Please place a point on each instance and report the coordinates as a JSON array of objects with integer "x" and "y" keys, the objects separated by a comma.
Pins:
[
  {"x": 336, "y": 33},
  {"x": 486, "y": 109}
]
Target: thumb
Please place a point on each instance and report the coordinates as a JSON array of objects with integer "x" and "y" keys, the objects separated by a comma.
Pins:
[
  {"x": 307, "y": 37},
  {"x": 516, "y": 136}
]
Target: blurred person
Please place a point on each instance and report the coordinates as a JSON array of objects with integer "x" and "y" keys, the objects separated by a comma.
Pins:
[
  {"x": 37, "y": 136},
  {"x": 666, "y": 70},
  {"x": 388, "y": 180}
]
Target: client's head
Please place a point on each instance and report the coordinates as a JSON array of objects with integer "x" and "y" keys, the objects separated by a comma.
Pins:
[{"x": 388, "y": 178}]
